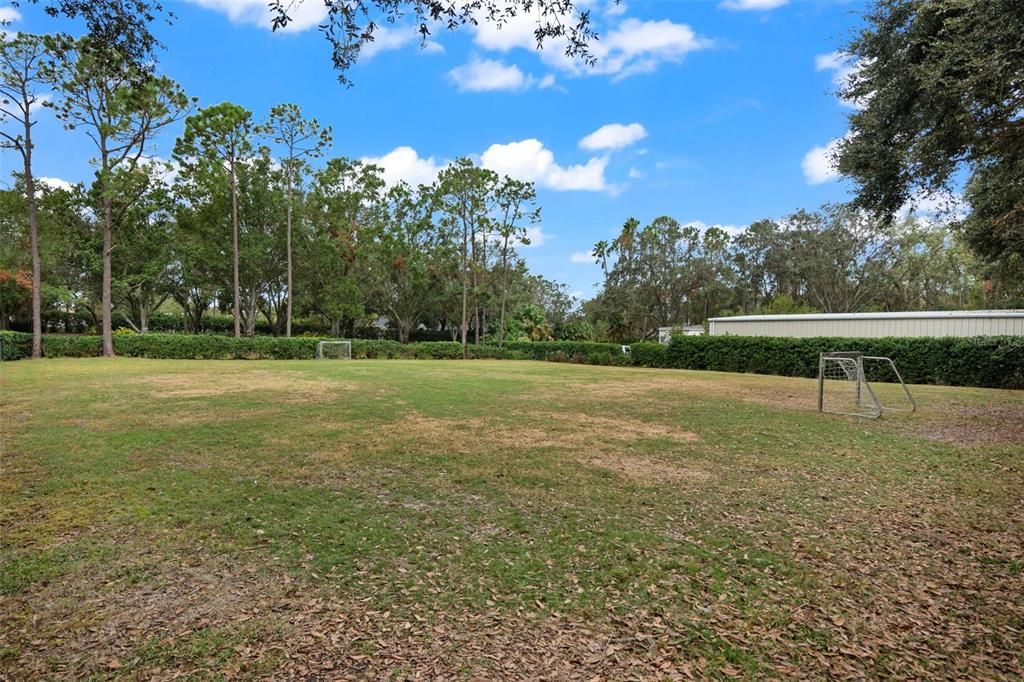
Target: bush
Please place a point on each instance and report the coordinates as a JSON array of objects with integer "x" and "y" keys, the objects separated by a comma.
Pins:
[
  {"x": 995, "y": 361},
  {"x": 989, "y": 361},
  {"x": 15, "y": 345},
  {"x": 648, "y": 354}
]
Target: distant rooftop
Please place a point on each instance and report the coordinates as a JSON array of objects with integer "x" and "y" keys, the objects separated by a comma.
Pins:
[{"x": 934, "y": 314}]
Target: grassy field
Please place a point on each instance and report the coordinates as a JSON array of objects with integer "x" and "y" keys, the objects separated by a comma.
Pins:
[{"x": 388, "y": 519}]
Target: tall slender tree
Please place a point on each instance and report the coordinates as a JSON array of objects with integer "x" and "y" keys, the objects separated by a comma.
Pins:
[
  {"x": 218, "y": 136},
  {"x": 121, "y": 107},
  {"x": 464, "y": 194},
  {"x": 301, "y": 139},
  {"x": 515, "y": 202},
  {"x": 22, "y": 74}
]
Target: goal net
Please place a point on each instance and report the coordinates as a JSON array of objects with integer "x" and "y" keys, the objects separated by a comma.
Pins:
[
  {"x": 843, "y": 387},
  {"x": 334, "y": 350}
]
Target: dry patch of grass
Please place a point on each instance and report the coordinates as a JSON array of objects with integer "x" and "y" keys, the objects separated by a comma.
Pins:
[{"x": 281, "y": 385}]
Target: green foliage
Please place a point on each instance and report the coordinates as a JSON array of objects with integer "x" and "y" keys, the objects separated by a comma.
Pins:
[
  {"x": 987, "y": 361},
  {"x": 994, "y": 361},
  {"x": 648, "y": 354},
  {"x": 576, "y": 330},
  {"x": 937, "y": 88},
  {"x": 15, "y": 345},
  {"x": 569, "y": 351}
]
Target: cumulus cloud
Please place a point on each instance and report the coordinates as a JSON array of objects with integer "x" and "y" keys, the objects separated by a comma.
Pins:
[
  {"x": 636, "y": 46},
  {"x": 936, "y": 206},
  {"x": 488, "y": 75},
  {"x": 536, "y": 236},
  {"x": 702, "y": 227},
  {"x": 527, "y": 160},
  {"x": 615, "y": 9},
  {"x": 582, "y": 257},
  {"x": 56, "y": 183},
  {"x": 843, "y": 66},
  {"x": 9, "y": 15},
  {"x": 305, "y": 14},
  {"x": 387, "y": 38},
  {"x": 531, "y": 161},
  {"x": 614, "y": 136},
  {"x": 817, "y": 163},
  {"x": 747, "y": 5},
  {"x": 405, "y": 164},
  {"x": 630, "y": 47}
]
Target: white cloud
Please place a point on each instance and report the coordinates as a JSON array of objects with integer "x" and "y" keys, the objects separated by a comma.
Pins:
[
  {"x": 631, "y": 47},
  {"x": 531, "y": 161},
  {"x": 746, "y": 5},
  {"x": 305, "y": 14},
  {"x": 843, "y": 66},
  {"x": 56, "y": 183},
  {"x": 404, "y": 163},
  {"x": 641, "y": 46},
  {"x": 817, "y": 164},
  {"x": 9, "y": 15},
  {"x": 386, "y": 38},
  {"x": 614, "y": 136},
  {"x": 615, "y": 9},
  {"x": 488, "y": 75},
  {"x": 536, "y": 236},
  {"x": 635, "y": 174},
  {"x": 702, "y": 227},
  {"x": 936, "y": 206},
  {"x": 582, "y": 257}
]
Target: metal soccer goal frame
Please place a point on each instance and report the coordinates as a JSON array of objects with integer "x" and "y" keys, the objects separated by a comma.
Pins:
[
  {"x": 347, "y": 345},
  {"x": 849, "y": 367}
]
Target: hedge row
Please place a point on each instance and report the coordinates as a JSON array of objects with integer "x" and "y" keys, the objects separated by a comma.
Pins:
[
  {"x": 989, "y": 361},
  {"x": 993, "y": 361},
  {"x": 17, "y": 345}
]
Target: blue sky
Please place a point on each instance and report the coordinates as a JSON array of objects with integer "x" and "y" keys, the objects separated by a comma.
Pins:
[{"x": 709, "y": 111}]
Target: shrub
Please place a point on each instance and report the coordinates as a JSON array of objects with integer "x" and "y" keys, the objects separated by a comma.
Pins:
[
  {"x": 995, "y": 361},
  {"x": 15, "y": 345},
  {"x": 648, "y": 354}
]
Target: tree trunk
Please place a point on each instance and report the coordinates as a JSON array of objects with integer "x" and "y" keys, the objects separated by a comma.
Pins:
[
  {"x": 504, "y": 292},
  {"x": 106, "y": 308},
  {"x": 33, "y": 225},
  {"x": 234, "y": 247},
  {"x": 288, "y": 251},
  {"x": 465, "y": 285}
]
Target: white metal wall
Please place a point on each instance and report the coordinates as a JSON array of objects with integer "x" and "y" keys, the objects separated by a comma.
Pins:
[{"x": 973, "y": 323}]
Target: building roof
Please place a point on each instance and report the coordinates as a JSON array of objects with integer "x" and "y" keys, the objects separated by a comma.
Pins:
[{"x": 930, "y": 315}]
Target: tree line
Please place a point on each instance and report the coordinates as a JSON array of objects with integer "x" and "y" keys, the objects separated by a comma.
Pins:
[
  {"x": 240, "y": 221},
  {"x": 245, "y": 221},
  {"x": 836, "y": 259}
]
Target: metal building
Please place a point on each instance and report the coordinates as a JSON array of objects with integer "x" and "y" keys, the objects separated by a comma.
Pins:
[
  {"x": 861, "y": 325},
  {"x": 665, "y": 334}
]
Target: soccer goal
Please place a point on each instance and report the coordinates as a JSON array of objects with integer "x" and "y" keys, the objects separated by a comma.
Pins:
[
  {"x": 334, "y": 350},
  {"x": 843, "y": 387}
]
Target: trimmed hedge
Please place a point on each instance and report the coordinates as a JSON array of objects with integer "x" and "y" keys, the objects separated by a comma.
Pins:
[
  {"x": 15, "y": 345},
  {"x": 989, "y": 361}
]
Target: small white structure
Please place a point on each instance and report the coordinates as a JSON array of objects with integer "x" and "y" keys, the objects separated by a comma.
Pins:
[
  {"x": 871, "y": 325},
  {"x": 665, "y": 334}
]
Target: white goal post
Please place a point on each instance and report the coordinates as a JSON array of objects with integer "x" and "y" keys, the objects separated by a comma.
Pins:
[
  {"x": 334, "y": 350},
  {"x": 843, "y": 387}
]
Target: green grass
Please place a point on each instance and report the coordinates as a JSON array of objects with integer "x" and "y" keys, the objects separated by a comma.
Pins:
[{"x": 688, "y": 521}]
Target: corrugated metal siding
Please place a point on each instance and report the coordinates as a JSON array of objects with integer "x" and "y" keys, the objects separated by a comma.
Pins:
[{"x": 948, "y": 325}]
